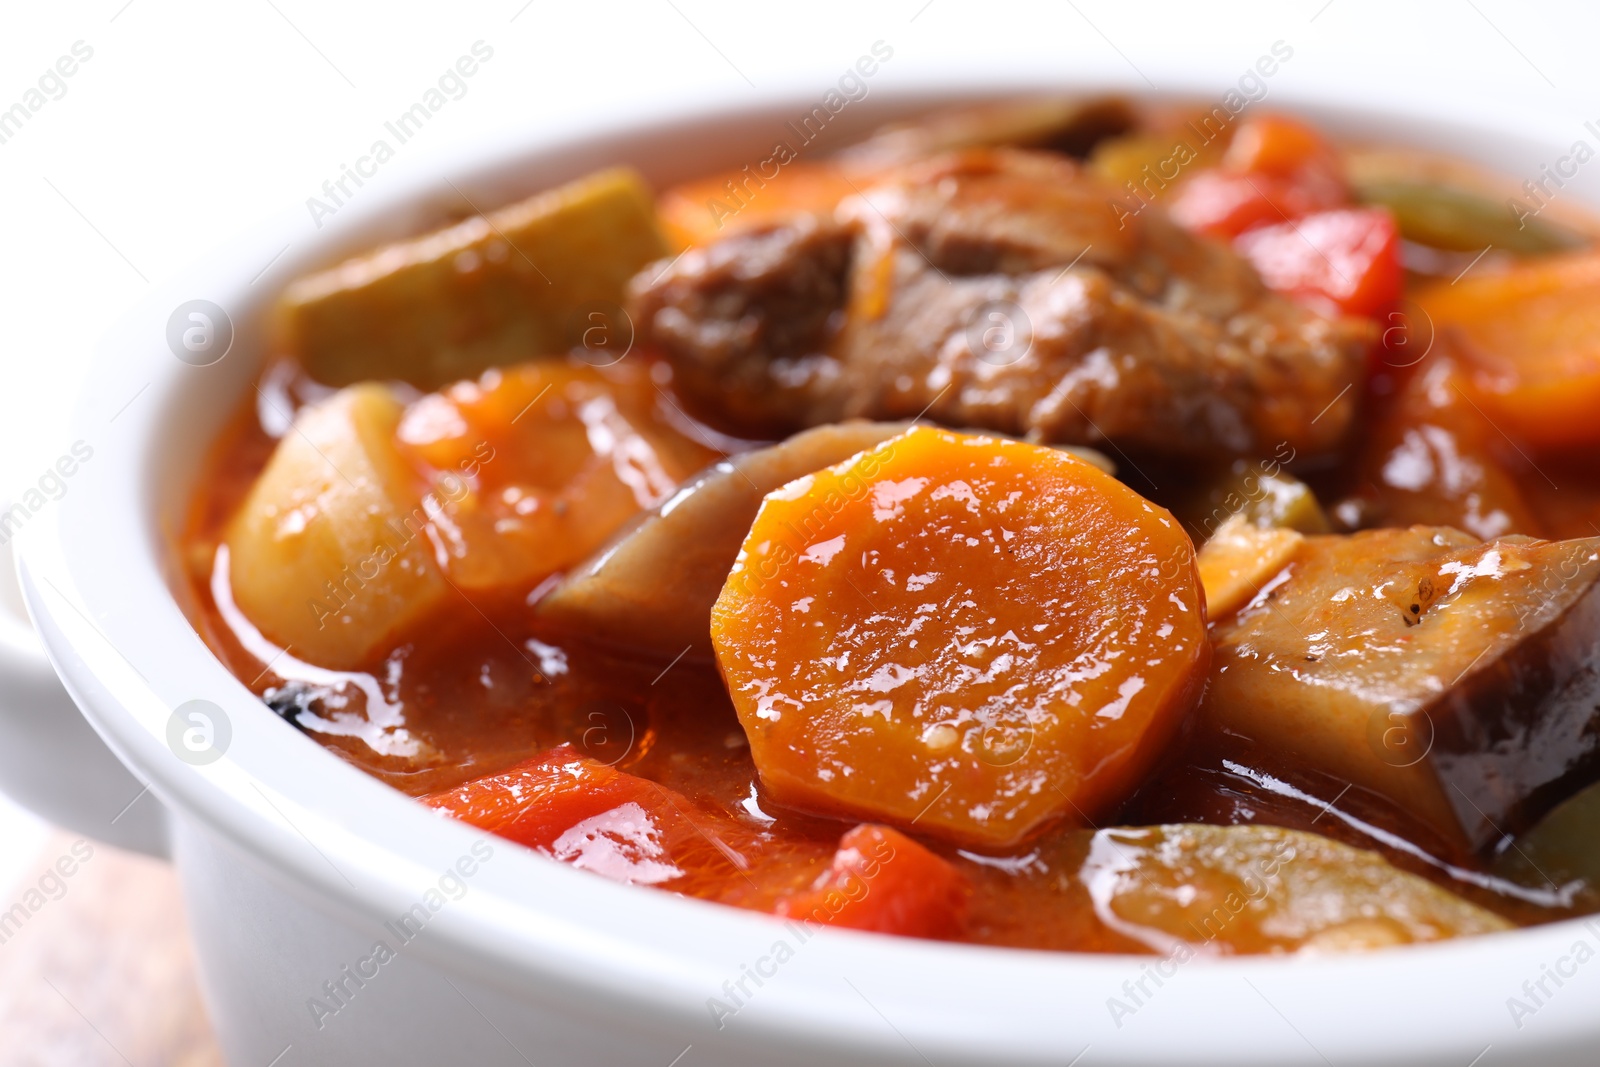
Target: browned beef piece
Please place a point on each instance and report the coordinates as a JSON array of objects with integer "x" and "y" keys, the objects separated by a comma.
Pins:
[
  {"x": 1000, "y": 289},
  {"x": 749, "y": 318}
]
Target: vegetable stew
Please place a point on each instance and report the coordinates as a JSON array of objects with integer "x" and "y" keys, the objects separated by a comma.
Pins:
[{"x": 1029, "y": 526}]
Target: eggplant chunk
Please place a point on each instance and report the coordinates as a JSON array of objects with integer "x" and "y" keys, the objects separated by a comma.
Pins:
[
  {"x": 1453, "y": 676},
  {"x": 1251, "y": 889},
  {"x": 324, "y": 555},
  {"x": 531, "y": 279},
  {"x": 653, "y": 586}
]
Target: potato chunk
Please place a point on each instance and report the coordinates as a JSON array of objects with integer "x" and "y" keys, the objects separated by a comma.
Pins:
[
  {"x": 520, "y": 282},
  {"x": 968, "y": 635},
  {"x": 1453, "y": 676},
  {"x": 369, "y": 511},
  {"x": 324, "y": 556}
]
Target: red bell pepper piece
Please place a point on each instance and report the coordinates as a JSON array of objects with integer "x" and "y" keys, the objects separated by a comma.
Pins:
[
  {"x": 1275, "y": 169},
  {"x": 1221, "y": 204},
  {"x": 618, "y": 825},
  {"x": 1346, "y": 261},
  {"x": 632, "y": 830},
  {"x": 883, "y": 881},
  {"x": 537, "y": 800}
]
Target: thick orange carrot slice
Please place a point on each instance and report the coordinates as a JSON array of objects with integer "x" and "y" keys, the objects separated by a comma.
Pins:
[
  {"x": 1532, "y": 337},
  {"x": 883, "y": 881},
  {"x": 967, "y": 635},
  {"x": 701, "y": 211}
]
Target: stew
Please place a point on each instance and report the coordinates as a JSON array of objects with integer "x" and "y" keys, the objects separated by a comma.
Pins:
[{"x": 963, "y": 535}]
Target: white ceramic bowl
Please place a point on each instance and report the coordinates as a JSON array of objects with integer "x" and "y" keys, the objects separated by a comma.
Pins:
[{"x": 295, "y": 865}]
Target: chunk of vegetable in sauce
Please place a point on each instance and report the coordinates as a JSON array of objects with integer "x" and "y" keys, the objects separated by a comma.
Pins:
[
  {"x": 700, "y": 211},
  {"x": 1530, "y": 338},
  {"x": 653, "y": 587},
  {"x": 520, "y": 282},
  {"x": 631, "y": 830},
  {"x": 534, "y": 466},
  {"x": 1238, "y": 560},
  {"x": 1440, "y": 215},
  {"x": 1189, "y": 890},
  {"x": 1453, "y": 676},
  {"x": 1560, "y": 849},
  {"x": 966, "y": 635},
  {"x": 1275, "y": 169},
  {"x": 1167, "y": 144},
  {"x": 325, "y": 553},
  {"x": 1260, "y": 491},
  {"x": 1434, "y": 458},
  {"x": 1280, "y": 146},
  {"x": 883, "y": 881},
  {"x": 597, "y": 818},
  {"x": 1347, "y": 261},
  {"x": 369, "y": 512}
]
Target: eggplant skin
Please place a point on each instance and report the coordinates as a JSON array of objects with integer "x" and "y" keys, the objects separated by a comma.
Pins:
[
  {"x": 1521, "y": 734},
  {"x": 1458, "y": 678}
]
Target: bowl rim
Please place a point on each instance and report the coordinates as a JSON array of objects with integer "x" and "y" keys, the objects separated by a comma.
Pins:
[{"x": 95, "y": 578}]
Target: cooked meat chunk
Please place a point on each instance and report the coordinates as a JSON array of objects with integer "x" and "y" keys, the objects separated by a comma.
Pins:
[
  {"x": 984, "y": 212},
  {"x": 749, "y": 317},
  {"x": 1000, "y": 289}
]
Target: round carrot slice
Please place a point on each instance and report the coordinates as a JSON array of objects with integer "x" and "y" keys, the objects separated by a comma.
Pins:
[
  {"x": 1531, "y": 336},
  {"x": 965, "y": 636}
]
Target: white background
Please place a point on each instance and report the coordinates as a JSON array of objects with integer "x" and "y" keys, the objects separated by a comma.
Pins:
[{"x": 194, "y": 119}]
